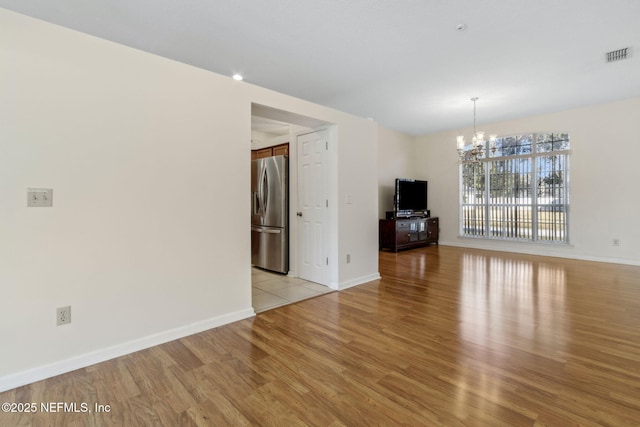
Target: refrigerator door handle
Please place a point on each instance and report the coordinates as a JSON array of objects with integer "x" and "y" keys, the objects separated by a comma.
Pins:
[
  {"x": 255, "y": 203},
  {"x": 265, "y": 190},
  {"x": 256, "y": 229},
  {"x": 259, "y": 193}
]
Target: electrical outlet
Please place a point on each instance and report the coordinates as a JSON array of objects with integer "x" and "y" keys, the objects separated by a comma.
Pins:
[
  {"x": 39, "y": 197},
  {"x": 348, "y": 258},
  {"x": 63, "y": 315}
]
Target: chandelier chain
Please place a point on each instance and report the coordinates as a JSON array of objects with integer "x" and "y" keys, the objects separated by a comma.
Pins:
[{"x": 474, "y": 115}]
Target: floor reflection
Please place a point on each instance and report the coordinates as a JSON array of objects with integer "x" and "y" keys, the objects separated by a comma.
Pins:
[
  {"x": 498, "y": 291},
  {"x": 509, "y": 305}
]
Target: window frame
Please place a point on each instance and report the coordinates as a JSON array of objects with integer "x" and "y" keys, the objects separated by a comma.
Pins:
[{"x": 534, "y": 165}]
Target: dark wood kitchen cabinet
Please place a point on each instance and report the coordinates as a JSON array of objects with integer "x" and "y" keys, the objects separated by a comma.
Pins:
[{"x": 276, "y": 150}]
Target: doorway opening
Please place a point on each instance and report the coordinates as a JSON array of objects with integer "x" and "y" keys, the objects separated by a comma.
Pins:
[{"x": 276, "y": 132}]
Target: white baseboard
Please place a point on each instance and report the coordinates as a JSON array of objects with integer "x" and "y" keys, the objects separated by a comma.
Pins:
[
  {"x": 541, "y": 250},
  {"x": 19, "y": 379},
  {"x": 358, "y": 281}
]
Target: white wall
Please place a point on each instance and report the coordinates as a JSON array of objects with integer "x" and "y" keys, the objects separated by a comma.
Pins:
[
  {"x": 395, "y": 160},
  {"x": 261, "y": 140},
  {"x": 604, "y": 174},
  {"x": 145, "y": 156},
  {"x": 357, "y": 201}
]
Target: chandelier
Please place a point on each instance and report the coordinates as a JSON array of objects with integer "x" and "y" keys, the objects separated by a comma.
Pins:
[{"x": 476, "y": 151}]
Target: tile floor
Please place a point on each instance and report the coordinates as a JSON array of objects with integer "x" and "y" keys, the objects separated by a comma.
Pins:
[{"x": 272, "y": 290}]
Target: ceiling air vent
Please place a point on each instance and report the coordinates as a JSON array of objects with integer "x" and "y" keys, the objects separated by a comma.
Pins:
[{"x": 617, "y": 55}]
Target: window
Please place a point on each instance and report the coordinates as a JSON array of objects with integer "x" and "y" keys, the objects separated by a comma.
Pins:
[{"x": 519, "y": 190}]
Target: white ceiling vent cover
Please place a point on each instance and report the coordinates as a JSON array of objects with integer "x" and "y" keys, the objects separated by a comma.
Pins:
[{"x": 617, "y": 55}]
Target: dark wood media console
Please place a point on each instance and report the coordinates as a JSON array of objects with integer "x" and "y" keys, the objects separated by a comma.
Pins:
[{"x": 406, "y": 233}]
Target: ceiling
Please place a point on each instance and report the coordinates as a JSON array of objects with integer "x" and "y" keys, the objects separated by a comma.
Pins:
[
  {"x": 268, "y": 126},
  {"x": 403, "y": 63}
]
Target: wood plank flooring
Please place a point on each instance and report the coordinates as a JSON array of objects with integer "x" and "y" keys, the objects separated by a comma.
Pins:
[{"x": 448, "y": 336}]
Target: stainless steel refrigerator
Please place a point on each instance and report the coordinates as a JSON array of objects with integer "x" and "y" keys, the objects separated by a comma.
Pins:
[{"x": 270, "y": 213}]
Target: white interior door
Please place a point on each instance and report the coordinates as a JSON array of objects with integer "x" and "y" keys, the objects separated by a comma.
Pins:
[{"x": 312, "y": 212}]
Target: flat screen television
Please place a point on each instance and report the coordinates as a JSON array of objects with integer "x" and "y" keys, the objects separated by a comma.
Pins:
[{"x": 410, "y": 197}]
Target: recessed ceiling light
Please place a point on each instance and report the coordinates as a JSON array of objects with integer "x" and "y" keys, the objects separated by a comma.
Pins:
[{"x": 237, "y": 77}]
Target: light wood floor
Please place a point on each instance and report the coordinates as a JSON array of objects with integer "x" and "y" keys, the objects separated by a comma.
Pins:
[{"x": 449, "y": 337}]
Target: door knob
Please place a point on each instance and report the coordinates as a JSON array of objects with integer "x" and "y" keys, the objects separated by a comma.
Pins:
[{"x": 299, "y": 213}]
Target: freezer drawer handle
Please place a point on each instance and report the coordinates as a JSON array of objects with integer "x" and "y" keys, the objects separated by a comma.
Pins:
[{"x": 260, "y": 230}]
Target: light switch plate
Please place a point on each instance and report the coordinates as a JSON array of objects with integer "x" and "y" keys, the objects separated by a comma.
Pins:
[{"x": 39, "y": 197}]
